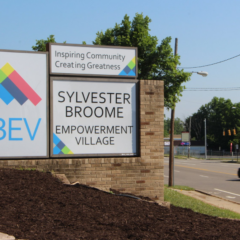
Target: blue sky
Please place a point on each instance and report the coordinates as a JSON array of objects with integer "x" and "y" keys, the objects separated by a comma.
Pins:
[{"x": 207, "y": 32}]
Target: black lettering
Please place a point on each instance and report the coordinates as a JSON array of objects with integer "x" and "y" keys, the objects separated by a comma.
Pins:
[
  {"x": 118, "y": 98},
  {"x": 96, "y": 129},
  {"x": 77, "y": 111},
  {"x": 110, "y": 97},
  {"x": 84, "y": 112},
  {"x": 73, "y": 128},
  {"x": 130, "y": 128},
  {"x": 78, "y": 141},
  {"x": 67, "y": 130},
  {"x": 117, "y": 130},
  {"x": 88, "y": 129},
  {"x": 119, "y": 112},
  {"x": 58, "y": 129},
  {"x": 69, "y": 110},
  {"x": 94, "y": 97},
  {"x": 95, "y": 112},
  {"x": 61, "y": 96},
  {"x": 98, "y": 141},
  {"x": 109, "y": 114},
  {"x": 111, "y": 140},
  {"x": 105, "y": 142},
  {"x": 86, "y": 141},
  {"x": 123, "y": 130},
  {"x": 103, "y": 129},
  {"x": 126, "y": 96},
  {"x": 70, "y": 96},
  {"x": 77, "y": 101},
  {"x": 100, "y": 95},
  {"x": 78, "y": 129},
  {"x": 91, "y": 141},
  {"x": 110, "y": 130},
  {"x": 85, "y": 100}
]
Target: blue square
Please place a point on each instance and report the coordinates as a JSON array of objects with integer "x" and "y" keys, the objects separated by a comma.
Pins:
[
  {"x": 131, "y": 73},
  {"x": 5, "y": 95},
  {"x": 127, "y": 69},
  {"x": 56, "y": 150},
  {"x": 122, "y": 73},
  {"x": 61, "y": 145},
  {"x": 56, "y": 140}
]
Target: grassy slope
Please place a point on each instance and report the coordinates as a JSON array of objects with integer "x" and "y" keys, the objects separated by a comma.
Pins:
[{"x": 180, "y": 200}]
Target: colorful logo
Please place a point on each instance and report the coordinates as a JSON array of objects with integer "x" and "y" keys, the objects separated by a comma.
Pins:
[
  {"x": 130, "y": 69},
  {"x": 59, "y": 147},
  {"x": 13, "y": 86}
]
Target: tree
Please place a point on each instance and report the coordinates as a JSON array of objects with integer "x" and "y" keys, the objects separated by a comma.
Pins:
[
  {"x": 155, "y": 62},
  {"x": 178, "y": 126},
  {"x": 220, "y": 117},
  {"x": 41, "y": 44}
]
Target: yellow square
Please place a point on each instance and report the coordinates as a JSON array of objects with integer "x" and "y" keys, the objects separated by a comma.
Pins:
[
  {"x": 7, "y": 69},
  {"x": 133, "y": 60},
  {"x": 70, "y": 152}
]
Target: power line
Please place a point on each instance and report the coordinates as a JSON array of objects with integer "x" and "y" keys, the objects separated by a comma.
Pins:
[
  {"x": 213, "y": 63},
  {"x": 213, "y": 89}
]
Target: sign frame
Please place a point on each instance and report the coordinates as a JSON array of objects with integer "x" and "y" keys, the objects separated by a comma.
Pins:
[
  {"x": 47, "y": 108},
  {"x": 136, "y": 81},
  {"x": 49, "y": 49}
]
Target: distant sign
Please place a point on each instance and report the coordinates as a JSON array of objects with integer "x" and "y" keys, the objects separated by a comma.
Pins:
[
  {"x": 185, "y": 137},
  {"x": 93, "y": 60},
  {"x": 185, "y": 143}
]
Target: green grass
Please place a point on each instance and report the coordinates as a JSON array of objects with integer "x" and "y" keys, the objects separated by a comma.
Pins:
[
  {"x": 180, "y": 187},
  {"x": 179, "y": 200}
]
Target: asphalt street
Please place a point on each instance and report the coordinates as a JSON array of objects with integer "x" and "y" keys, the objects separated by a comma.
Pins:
[{"x": 211, "y": 176}]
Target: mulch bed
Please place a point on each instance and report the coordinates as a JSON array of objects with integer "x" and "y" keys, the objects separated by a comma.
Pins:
[{"x": 35, "y": 205}]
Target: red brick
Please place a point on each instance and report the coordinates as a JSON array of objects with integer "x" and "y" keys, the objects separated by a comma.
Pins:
[
  {"x": 140, "y": 181},
  {"x": 149, "y": 133}
]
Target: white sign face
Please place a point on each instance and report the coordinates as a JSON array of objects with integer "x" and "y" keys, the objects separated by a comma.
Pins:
[
  {"x": 23, "y": 104},
  {"x": 185, "y": 136},
  {"x": 93, "y": 60},
  {"x": 93, "y": 118}
]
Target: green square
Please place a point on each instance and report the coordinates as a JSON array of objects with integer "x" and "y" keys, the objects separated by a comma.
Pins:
[
  {"x": 65, "y": 150},
  {"x": 3, "y": 76},
  {"x": 131, "y": 65}
]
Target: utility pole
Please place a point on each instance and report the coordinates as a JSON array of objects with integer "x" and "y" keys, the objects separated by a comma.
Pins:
[
  {"x": 189, "y": 137},
  {"x": 171, "y": 153},
  {"x": 205, "y": 130}
]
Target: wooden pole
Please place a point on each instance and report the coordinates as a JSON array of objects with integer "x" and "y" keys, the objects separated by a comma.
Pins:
[{"x": 171, "y": 154}]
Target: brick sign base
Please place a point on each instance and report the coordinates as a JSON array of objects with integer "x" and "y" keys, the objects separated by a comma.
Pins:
[{"x": 137, "y": 175}]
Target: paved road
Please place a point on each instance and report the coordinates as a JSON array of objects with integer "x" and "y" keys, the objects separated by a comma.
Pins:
[{"x": 212, "y": 176}]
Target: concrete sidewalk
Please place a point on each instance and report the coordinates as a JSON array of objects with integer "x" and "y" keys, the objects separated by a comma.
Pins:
[{"x": 212, "y": 200}]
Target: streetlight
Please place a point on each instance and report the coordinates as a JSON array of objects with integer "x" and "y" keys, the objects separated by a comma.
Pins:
[{"x": 204, "y": 74}]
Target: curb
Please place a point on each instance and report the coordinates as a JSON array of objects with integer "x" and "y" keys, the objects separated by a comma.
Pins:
[{"x": 196, "y": 190}]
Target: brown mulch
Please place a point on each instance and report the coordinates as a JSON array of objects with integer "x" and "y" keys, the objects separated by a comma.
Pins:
[{"x": 35, "y": 205}]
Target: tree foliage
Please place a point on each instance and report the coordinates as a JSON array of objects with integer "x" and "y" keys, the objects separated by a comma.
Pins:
[
  {"x": 41, "y": 44},
  {"x": 155, "y": 62},
  {"x": 178, "y": 126},
  {"x": 221, "y": 117}
]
